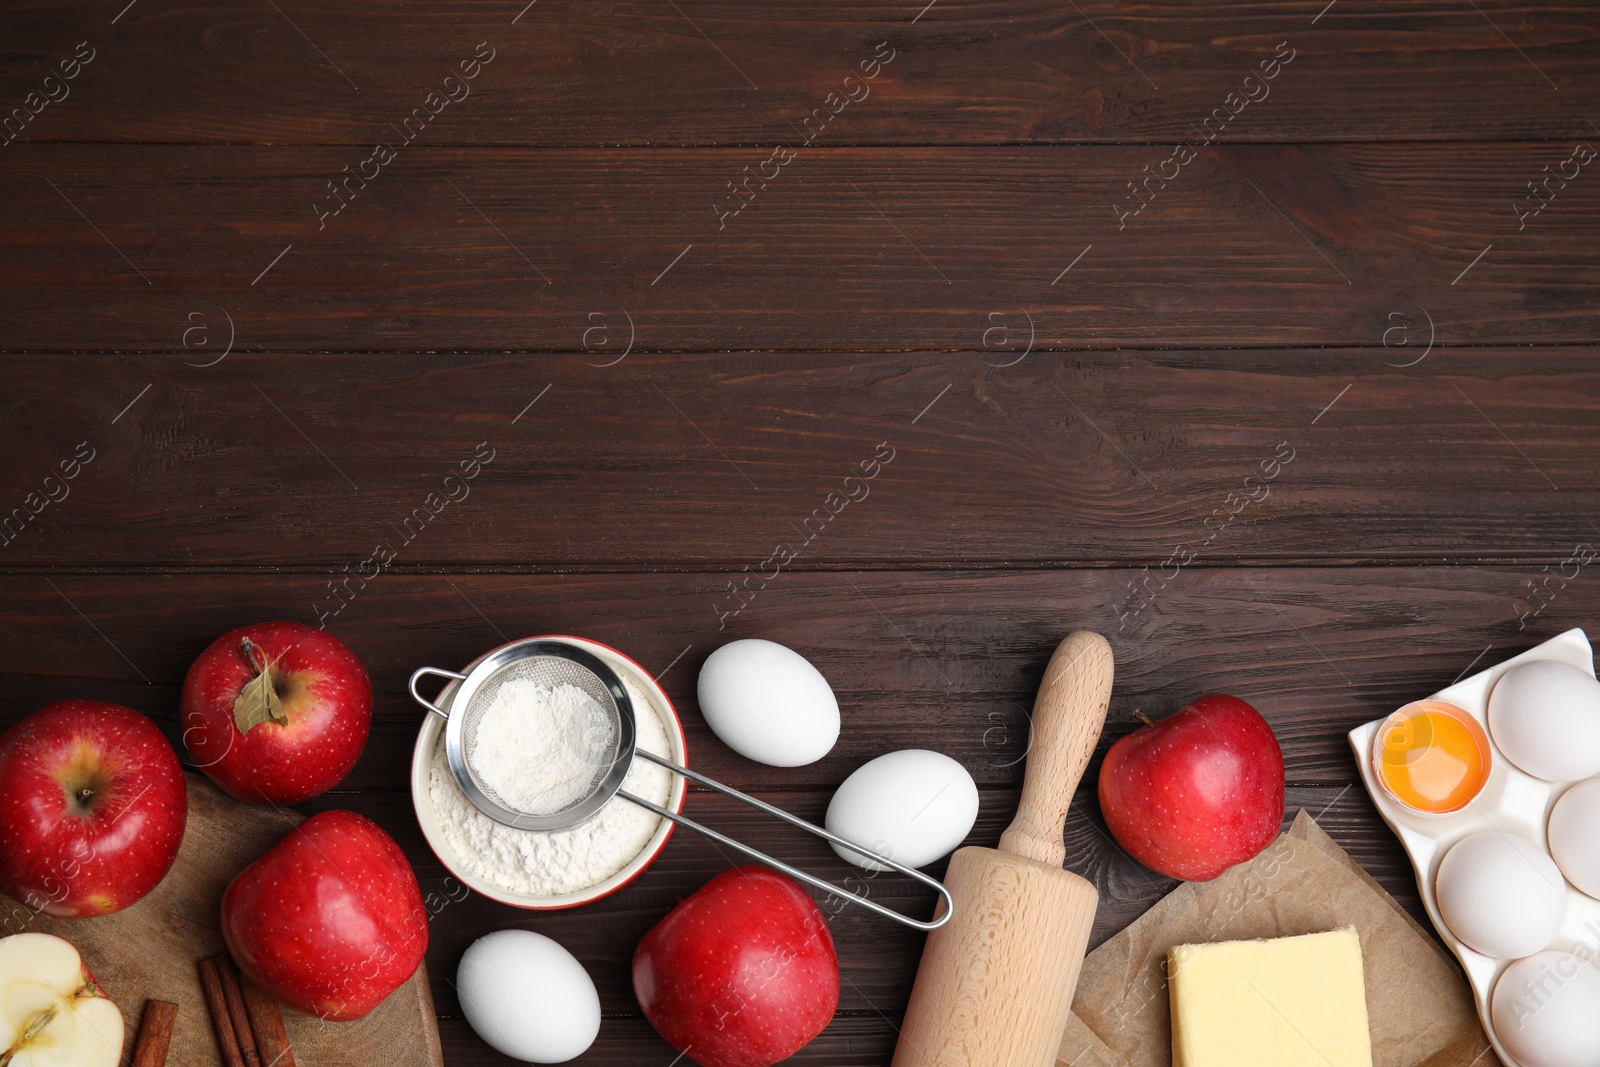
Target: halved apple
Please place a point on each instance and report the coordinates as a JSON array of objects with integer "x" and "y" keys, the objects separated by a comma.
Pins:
[{"x": 52, "y": 1013}]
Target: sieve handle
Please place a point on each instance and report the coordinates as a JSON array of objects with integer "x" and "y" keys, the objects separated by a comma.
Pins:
[
  {"x": 942, "y": 915},
  {"x": 420, "y": 699}
]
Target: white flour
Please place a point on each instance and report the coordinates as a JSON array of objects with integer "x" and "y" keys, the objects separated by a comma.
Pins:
[
  {"x": 563, "y": 861},
  {"x": 539, "y": 749}
]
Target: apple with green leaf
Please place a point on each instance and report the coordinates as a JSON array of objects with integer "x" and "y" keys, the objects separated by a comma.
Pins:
[{"x": 276, "y": 713}]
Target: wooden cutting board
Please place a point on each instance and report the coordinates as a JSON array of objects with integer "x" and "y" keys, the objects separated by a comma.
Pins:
[{"x": 149, "y": 951}]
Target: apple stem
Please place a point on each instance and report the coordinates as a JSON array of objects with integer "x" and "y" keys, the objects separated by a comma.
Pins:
[
  {"x": 1143, "y": 718},
  {"x": 258, "y": 661},
  {"x": 250, "y": 652}
]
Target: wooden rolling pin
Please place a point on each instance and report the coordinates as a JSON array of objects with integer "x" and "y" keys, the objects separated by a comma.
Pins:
[{"x": 995, "y": 985}]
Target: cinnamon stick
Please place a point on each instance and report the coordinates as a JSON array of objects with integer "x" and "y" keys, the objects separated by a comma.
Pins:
[
  {"x": 221, "y": 1021},
  {"x": 266, "y": 1020},
  {"x": 155, "y": 1034},
  {"x": 237, "y": 1012}
]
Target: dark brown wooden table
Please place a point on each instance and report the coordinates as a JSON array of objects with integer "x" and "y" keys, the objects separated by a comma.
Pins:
[{"x": 280, "y": 265}]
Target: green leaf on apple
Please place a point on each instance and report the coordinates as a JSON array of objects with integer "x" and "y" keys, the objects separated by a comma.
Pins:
[{"x": 258, "y": 702}]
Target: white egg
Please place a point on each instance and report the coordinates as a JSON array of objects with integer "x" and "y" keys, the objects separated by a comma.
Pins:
[
  {"x": 1500, "y": 894},
  {"x": 528, "y": 997},
  {"x": 1545, "y": 716},
  {"x": 912, "y": 806},
  {"x": 767, "y": 703},
  {"x": 1574, "y": 831},
  {"x": 1546, "y": 1011}
]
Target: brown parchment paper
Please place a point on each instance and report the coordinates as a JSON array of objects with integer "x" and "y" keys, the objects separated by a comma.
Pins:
[{"x": 1419, "y": 1007}]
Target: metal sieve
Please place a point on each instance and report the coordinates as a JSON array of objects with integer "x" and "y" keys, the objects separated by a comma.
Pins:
[{"x": 607, "y": 747}]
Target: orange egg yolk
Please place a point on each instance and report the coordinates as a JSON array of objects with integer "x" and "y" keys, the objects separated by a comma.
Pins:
[{"x": 1432, "y": 756}]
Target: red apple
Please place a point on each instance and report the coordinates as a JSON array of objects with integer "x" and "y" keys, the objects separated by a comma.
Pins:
[
  {"x": 92, "y": 808},
  {"x": 276, "y": 713},
  {"x": 330, "y": 919},
  {"x": 1197, "y": 792},
  {"x": 742, "y": 973}
]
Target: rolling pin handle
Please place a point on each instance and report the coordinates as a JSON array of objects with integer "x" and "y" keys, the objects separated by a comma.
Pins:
[{"x": 1067, "y": 717}]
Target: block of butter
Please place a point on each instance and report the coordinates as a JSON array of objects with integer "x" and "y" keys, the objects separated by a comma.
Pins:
[{"x": 1287, "y": 1002}]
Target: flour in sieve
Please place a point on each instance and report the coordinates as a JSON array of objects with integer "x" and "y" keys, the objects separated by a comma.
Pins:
[
  {"x": 539, "y": 749},
  {"x": 561, "y": 861}
]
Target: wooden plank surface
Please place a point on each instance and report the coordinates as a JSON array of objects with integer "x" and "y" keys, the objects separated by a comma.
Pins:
[
  {"x": 843, "y": 249},
  {"x": 955, "y": 656},
  {"x": 656, "y": 462},
  {"x": 713, "y": 72},
  {"x": 918, "y": 656},
  {"x": 1318, "y": 650},
  {"x": 983, "y": 266},
  {"x": 865, "y": 1040}
]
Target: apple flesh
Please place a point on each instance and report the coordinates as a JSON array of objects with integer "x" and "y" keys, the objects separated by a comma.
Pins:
[
  {"x": 1197, "y": 792},
  {"x": 52, "y": 1013},
  {"x": 92, "y": 808},
  {"x": 742, "y": 973},
  {"x": 276, "y": 713},
  {"x": 330, "y": 919}
]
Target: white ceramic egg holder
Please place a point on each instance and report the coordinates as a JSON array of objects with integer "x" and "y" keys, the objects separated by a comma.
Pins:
[{"x": 1511, "y": 802}]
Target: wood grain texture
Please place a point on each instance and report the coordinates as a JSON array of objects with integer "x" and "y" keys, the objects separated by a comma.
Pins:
[
  {"x": 967, "y": 71},
  {"x": 150, "y": 949},
  {"x": 977, "y": 249},
  {"x": 1090, "y": 373},
  {"x": 1391, "y": 634},
  {"x": 1134, "y": 458},
  {"x": 855, "y": 1040},
  {"x": 1402, "y": 634},
  {"x": 948, "y": 656}
]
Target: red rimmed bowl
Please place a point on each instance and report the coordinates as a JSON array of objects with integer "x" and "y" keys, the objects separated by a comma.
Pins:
[{"x": 428, "y": 739}]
